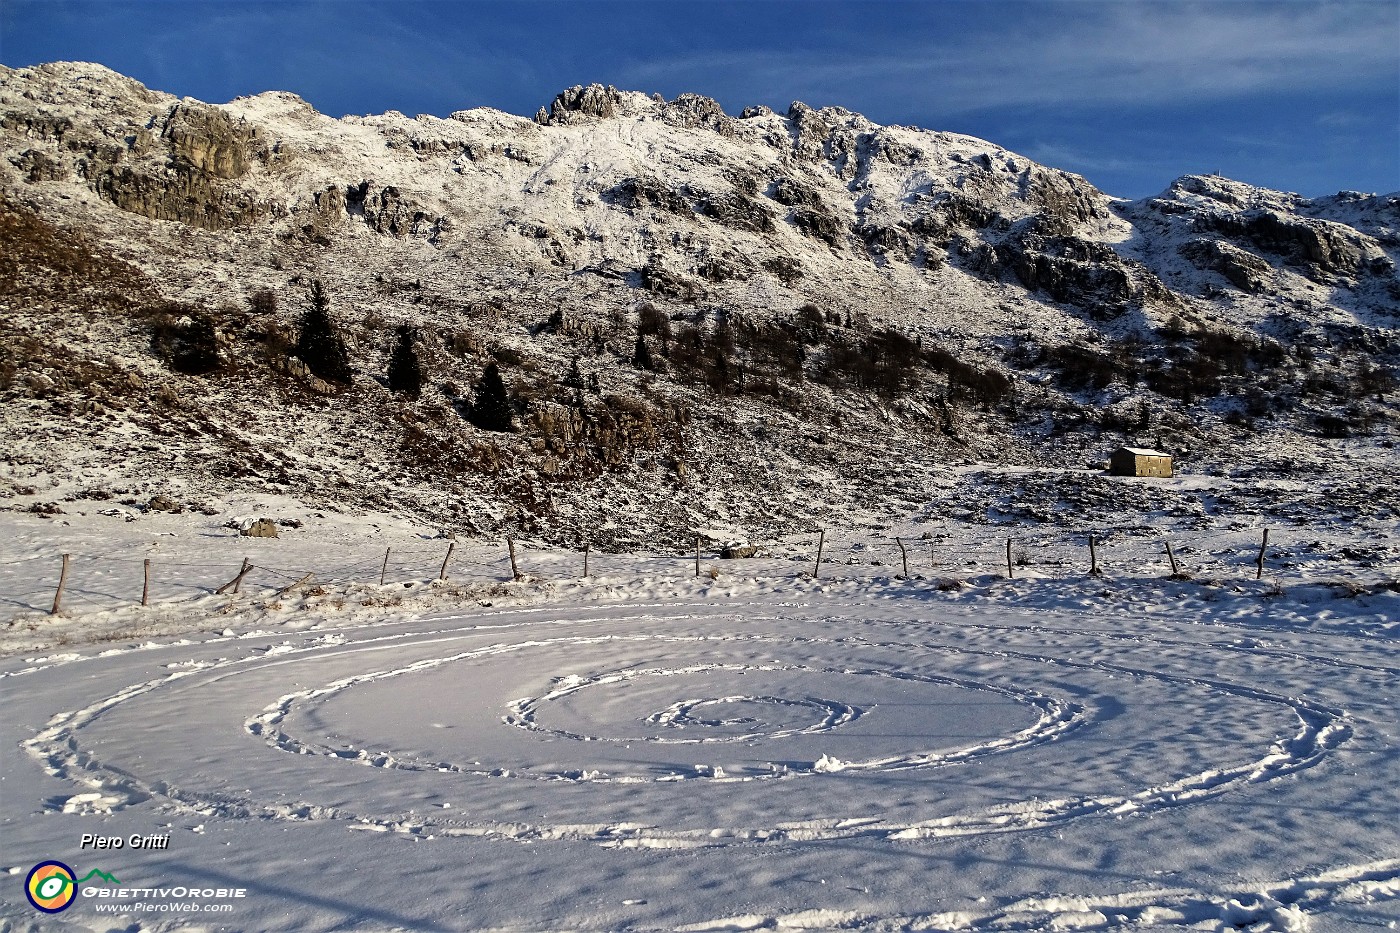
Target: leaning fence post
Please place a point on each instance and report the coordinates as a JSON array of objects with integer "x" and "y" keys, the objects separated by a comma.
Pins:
[
  {"x": 442, "y": 574},
  {"x": 287, "y": 589},
  {"x": 1172, "y": 559},
  {"x": 1009, "y": 574},
  {"x": 237, "y": 581},
  {"x": 1259, "y": 574},
  {"x": 1093, "y": 557},
  {"x": 514, "y": 570},
  {"x": 821, "y": 542},
  {"x": 146, "y": 584},
  {"x": 904, "y": 557},
  {"x": 58, "y": 596},
  {"x": 384, "y": 567}
]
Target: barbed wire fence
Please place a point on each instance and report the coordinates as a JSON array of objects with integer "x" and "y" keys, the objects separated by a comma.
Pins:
[{"x": 91, "y": 581}]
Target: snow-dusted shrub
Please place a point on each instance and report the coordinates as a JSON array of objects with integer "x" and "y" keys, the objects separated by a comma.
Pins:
[
  {"x": 263, "y": 301},
  {"x": 184, "y": 336}
]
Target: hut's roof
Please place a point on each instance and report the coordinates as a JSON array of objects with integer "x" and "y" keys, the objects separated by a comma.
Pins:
[{"x": 1144, "y": 452}]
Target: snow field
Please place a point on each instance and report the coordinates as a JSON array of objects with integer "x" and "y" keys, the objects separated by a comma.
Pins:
[{"x": 752, "y": 760}]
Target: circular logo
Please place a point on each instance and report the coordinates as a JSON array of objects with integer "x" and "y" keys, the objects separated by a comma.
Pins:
[{"x": 51, "y": 887}]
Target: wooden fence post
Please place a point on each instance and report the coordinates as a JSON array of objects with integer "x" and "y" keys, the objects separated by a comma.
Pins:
[
  {"x": 514, "y": 570},
  {"x": 1093, "y": 557},
  {"x": 146, "y": 584},
  {"x": 1176, "y": 571},
  {"x": 904, "y": 557},
  {"x": 1259, "y": 574},
  {"x": 58, "y": 596},
  {"x": 1009, "y": 574},
  {"x": 442, "y": 574},
  {"x": 697, "y": 556},
  {"x": 585, "y": 562},
  {"x": 821, "y": 543},
  {"x": 287, "y": 589},
  {"x": 384, "y": 567},
  {"x": 237, "y": 581}
]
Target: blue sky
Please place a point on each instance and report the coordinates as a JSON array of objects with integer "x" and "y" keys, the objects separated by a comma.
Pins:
[{"x": 1302, "y": 96}]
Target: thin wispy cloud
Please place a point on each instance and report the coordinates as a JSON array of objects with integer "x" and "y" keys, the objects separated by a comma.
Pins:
[{"x": 1080, "y": 53}]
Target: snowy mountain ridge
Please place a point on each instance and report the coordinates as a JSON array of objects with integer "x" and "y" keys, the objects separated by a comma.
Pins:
[{"x": 753, "y": 323}]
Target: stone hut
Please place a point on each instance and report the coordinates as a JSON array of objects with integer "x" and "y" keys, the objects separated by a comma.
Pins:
[{"x": 1139, "y": 461}]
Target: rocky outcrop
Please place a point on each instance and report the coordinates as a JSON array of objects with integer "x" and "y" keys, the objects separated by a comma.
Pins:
[
  {"x": 1319, "y": 247},
  {"x": 183, "y": 175},
  {"x": 1374, "y": 215},
  {"x": 809, "y": 131},
  {"x": 887, "y": 241},
  {"x": 737, "y": 211},
  {"x": 884, "y": 146},
  {"x": 1079, "y": 272},
  {"x": 952, "y": 211},
  {"x": 793, "y": 193},
  {"x": 723, "y": 267},
  {"x": 581, "y": 104},
  {"x": 37, "y": 166},
  {"x": 1246, "y": 271},
  {"x": 385, "y": 210},
  {"x": 633, "y": 193},
  {"x": 1063, "y": 196},
  {"x": 181, "y": 194},
  {"x": 210, "y": 141},
  {"x": 810, "y": 214},
  {"x": 38, "y": 124},
  {"x": 732, "y": 209},
  {"x": 661, "y": 281},
  {"x": 262, "y": 528},
  {"x": 693, "y": 111},
  {"x": 327, "y": 212},
  {"x": 818, "y": 224}
]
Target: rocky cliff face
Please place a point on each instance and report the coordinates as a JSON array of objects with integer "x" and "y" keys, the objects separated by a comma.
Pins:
[{"x": 792, "y": 278}]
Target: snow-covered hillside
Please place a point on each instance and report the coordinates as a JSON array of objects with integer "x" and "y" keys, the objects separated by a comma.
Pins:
[{"x": 755, "y": 323}]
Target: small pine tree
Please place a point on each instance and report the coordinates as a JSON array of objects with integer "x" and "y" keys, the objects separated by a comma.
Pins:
[
  {"x": 491, "y": 409},
  {"x": 641, "y": 355},
  {"x": 574, "y": 380},
  {"x": 405, "y": 372},
  {"x": 319, "y": 345}
]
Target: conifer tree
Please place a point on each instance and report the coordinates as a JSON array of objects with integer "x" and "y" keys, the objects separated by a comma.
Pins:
[
  {"x": 491, "y": 409},
  {"x": 319, "y": 345},
  {"x": 574, "y": 379},
  {"x": 641, "y": 355},
  {"x": 405, "y": 372}
]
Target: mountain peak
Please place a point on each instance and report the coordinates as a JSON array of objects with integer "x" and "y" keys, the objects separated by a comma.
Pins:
[{"x": 671, "y": 295}]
